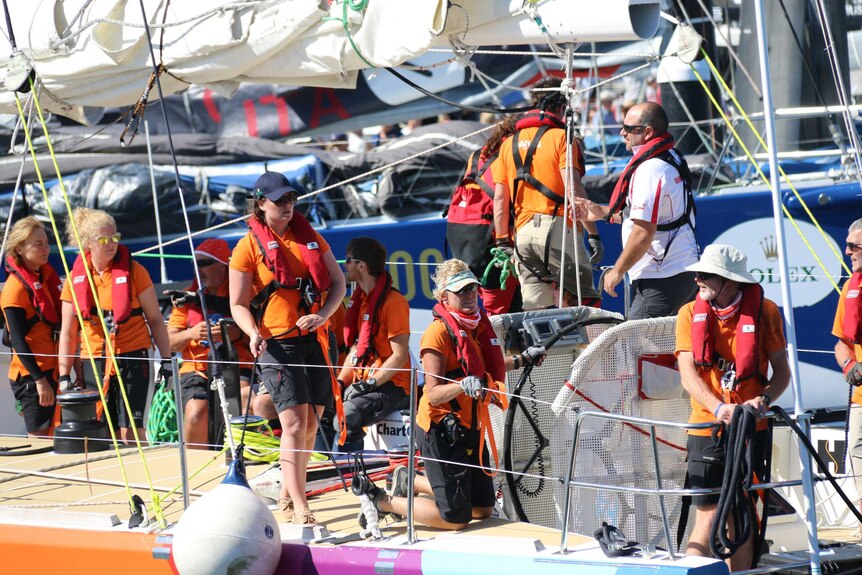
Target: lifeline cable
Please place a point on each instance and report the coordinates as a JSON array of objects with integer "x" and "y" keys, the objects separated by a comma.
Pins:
[{"x": 821, "y": 465}]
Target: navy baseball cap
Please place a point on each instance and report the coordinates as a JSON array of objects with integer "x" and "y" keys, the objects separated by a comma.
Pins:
[{"x": 272, "y": 186}]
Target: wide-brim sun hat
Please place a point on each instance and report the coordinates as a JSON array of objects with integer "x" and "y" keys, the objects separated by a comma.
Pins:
[
  {"x": 725, "y": 261},
  {"x": 272, "y": 186},
  {"x": 460, "y": 280}
]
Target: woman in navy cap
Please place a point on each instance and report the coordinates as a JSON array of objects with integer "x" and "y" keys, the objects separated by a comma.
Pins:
[{"x": 284, "y": 285}]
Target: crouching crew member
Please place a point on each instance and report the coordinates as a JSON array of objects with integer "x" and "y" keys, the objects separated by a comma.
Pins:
[
  {"x": 726, "y": 340},
  {"x": 187, "y": 328},
  {"x": 31, "y": 305},
  {"x": 376, "y": 380}
]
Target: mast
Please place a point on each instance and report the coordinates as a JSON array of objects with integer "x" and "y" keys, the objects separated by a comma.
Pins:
[
  {"x": 769, "y": 117},
  {"x": 681, "y": 93},
  {"x": 786, "y": 72}
]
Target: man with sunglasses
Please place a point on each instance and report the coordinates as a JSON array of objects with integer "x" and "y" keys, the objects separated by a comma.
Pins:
[
  {"x": 653, "y": 201},
  {"x": 726, "y": 341},
  {"x": 187, "y": 329},
  {"x": 376, "y": 377},
  {"x": 847, "y": 327}
]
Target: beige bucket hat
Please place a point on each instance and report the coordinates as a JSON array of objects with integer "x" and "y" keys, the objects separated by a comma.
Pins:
[{"x": 725, "y": 261}]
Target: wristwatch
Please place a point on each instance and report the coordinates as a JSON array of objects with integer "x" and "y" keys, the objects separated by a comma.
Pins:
[
  {"x": 371, "y": 381},
  {"x": 766, "y": 399}
]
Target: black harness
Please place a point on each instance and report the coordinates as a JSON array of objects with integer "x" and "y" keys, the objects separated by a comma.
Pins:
[{"x": 681, "y": 166}]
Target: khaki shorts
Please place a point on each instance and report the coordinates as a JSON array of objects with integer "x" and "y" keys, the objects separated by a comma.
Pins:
[{"x": 530, "y": 242}]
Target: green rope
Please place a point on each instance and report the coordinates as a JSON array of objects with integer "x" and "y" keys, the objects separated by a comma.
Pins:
[
  {"x": 162, "y": 422},
  {"x": 165, "y": 256},
  {"x": 500, "y": 259},
  {"x": 357, "y": 6}
]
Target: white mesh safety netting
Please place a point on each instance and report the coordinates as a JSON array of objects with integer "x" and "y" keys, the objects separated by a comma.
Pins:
[
  {"x": 534, "y": 439},
  {"x": 531, "y": 496},
  {"x": 606, "y": 378}
]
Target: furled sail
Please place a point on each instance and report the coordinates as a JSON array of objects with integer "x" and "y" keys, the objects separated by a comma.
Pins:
[{"x": 95, "y": 52}]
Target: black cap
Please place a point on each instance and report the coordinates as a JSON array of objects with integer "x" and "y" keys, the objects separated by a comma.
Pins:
[{"x": 272, "y": 186}]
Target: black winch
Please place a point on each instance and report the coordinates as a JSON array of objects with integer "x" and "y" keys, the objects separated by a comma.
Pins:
[{"x": 78, "y": 411}]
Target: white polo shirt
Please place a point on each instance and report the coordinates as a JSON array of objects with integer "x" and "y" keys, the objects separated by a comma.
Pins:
[{"x": 657, "y": 195}]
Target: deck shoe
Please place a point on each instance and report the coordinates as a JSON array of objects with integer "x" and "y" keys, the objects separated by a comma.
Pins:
[
  {"x": 376, "y": 494},
  {"x": 399, "y": 485},
  {"x": 285, "y": 505},
  {"x": 305, "y": 518}
]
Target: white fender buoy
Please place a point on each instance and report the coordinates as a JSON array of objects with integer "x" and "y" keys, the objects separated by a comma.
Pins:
[{"x": 228, "y": 530}]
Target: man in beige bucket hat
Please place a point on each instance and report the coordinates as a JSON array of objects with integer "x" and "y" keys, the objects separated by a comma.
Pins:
[{"x": 726, "y": 339}]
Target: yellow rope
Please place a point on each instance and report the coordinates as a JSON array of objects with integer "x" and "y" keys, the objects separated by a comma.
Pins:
[
  {"x": 760, "y": 172},
  {"x": 194, "y": 474},
  {"x": 108, "y": 345},
  {"x": 839, "y": 256}
]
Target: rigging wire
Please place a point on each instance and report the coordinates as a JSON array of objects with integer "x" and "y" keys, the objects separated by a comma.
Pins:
[
  {"x": 840, "y": 89},
  {"x": 760, "y": 172},
  {"x": 833, "y": 127}
]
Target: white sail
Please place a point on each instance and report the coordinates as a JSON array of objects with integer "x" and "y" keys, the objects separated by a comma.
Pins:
[{"x": 95, "y": 53}]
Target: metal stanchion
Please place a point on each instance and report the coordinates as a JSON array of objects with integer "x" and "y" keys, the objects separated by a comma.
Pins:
[
  {"x": 178, "y": 396},
  {"x": 411, "y": 457}
]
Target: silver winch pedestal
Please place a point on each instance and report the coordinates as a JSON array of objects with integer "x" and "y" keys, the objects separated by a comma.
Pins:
[{"x": 78, "y": 413}]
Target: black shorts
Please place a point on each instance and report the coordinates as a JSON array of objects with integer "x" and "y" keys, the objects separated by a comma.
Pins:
[
  {"x": 135, "y": 371},
  {"x": 661, "y": 297},
  {"x": 295, "y": 372},
  {"x": 196, "y": 386},
  {"x": 706, "y": 464},
  {"x": 457, "y": 488},
  {"x": 36, "y": 417},
  {"x": 369, "y": 408}
]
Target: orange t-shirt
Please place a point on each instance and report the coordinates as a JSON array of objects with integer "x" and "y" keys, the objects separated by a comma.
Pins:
[
  {"x": 437, "y": 338},
  {"x": 282, "y": 309},
  {"x": 548, "y": 160},
  {"x": 394, "y": 320},
  {"x": 132, "y": 335},
  {"x": 39, "y": 338},
  {"x": 838, "y": 331},
  {"x": 770, "y": 339},
  {"x": 194, "y": 354}
]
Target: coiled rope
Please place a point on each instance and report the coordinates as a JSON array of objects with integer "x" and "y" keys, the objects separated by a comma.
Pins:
[{"x": 162, "y": 422}]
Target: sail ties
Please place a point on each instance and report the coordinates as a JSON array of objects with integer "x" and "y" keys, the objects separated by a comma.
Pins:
[{"x": 137, "y": 111}]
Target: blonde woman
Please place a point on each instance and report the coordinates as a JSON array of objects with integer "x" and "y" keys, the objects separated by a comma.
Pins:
[
  {"x": 31, "y": 305},
  {"x": 125, "y": 293},
  {"x": 286, "y": 271},
  {"x": 464, "y": 367}
]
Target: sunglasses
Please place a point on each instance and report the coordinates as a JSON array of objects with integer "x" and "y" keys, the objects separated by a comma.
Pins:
[
  {"x": 853, "y": 247},
  {"x": 633, "y": 129},
  {"x": 704, "y": 276},
  {"x": 349, "y": 259},
  {"x": 467, "y": 289},
  {"x": 113, "y": 239},
  {"x": 204, "y": 263}
]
